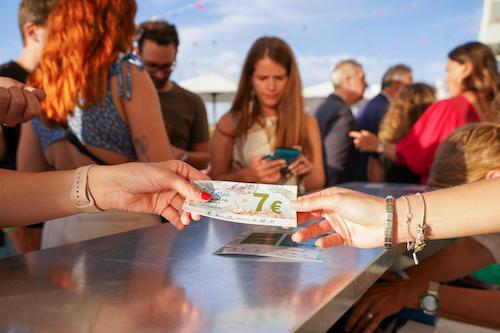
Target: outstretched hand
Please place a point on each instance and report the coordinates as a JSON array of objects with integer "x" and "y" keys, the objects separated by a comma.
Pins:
[
  {"x": 356, "y": 218},
  {"x": 18, "y": 102},
  {"x": 364, "y": 141},
  {"x": 156, "y": 188}
]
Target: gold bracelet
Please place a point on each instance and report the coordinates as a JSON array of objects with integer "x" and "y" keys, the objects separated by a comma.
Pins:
[
  {"x": 409, "y": 244},
  {"x": 421, "y": 229}
]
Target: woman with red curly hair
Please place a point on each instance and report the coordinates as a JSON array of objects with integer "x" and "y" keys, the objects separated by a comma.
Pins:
[{"x": 101, "y": 107}]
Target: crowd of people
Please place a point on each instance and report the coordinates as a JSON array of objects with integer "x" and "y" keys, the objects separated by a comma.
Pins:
[{"x": 99, "y": 92}]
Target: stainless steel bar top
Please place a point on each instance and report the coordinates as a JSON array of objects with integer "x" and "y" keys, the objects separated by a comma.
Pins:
[{"x": 159, "y": 280}]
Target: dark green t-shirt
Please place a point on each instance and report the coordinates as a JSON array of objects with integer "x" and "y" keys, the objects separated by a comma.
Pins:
[{"x": 185, "y": 117}]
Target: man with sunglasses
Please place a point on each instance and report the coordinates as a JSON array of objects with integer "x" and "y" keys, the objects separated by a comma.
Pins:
[{"x": 183, "y": 111}]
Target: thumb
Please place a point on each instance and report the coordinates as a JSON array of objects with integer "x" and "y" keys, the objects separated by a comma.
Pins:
[{"x": 187, "y": 189}]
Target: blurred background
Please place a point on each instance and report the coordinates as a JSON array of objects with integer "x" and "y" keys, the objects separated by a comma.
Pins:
[{"x": 216, "y": 34}]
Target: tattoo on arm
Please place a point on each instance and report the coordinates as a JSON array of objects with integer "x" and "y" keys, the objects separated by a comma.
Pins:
[{"x": 141, "y": 145}]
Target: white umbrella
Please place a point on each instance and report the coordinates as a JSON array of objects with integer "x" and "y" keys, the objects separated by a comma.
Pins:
[
  {"x": 315, "y": 95},
  {"x": 320, "y": 90},
  {"x": 211, "y": 87}
]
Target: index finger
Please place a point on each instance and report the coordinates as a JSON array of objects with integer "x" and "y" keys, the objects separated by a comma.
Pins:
[
  {"x": 39, "y": 93},
  {"x": 187, "y": 189},
  {"x": 185, "y": 170},
  {"x": 355, "y": 134},
  {"x": 33, "y": 108},
  {"x": 325, "y": 192},
  {"x": 314, "y": 203},
  {"x": 4, "y": 103}
]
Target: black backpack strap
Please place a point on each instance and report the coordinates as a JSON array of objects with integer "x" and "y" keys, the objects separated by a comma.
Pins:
[{"x": 82, "y": 149}]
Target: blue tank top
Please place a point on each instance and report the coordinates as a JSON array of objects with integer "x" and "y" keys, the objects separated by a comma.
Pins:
[{"x": 100, "y": 125}]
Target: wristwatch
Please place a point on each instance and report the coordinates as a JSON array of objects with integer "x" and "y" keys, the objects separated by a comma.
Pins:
[
  {"x": 380, "y": 147},
  {"x": 429, "y": 302}
]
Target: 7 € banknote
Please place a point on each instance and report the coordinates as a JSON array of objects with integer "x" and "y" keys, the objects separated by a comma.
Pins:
[{"x": 250, "y": 203}]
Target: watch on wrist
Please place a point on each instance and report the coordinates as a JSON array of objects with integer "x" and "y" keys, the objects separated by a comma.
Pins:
[
  {"x": 429, "y": 302},
  {"x": 380, "y": 147},
  {"x": 80, "y": 194}
]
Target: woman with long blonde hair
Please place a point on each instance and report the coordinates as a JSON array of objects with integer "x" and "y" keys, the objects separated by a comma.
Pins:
[
  {"x": 268, "y": 113},
  {"x": 101, "y": 107},
  {"x": 403, "y": 112}
]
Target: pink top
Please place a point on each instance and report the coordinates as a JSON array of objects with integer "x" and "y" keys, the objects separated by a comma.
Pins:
[{"x": 417, "y": 149}]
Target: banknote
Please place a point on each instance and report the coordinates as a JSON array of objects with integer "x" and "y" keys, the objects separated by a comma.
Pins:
[
  {"x": 250, "y": 203},
  {"x": 272, "y": 242}
]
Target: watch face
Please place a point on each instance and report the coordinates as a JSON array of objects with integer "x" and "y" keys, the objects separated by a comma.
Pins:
[{"x": 430, "y": 303}]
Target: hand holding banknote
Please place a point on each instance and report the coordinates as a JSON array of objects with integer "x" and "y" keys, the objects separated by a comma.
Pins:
[
  {"x": 249, "y": 203},
  {"x": 345, "y": 212}
]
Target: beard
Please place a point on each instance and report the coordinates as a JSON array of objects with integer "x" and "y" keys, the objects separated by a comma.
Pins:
[{"x": 159, "y": 83}]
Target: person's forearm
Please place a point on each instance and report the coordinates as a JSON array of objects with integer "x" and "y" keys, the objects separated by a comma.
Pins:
[
  {"x": 455, "y": 261},
  {"x": 473, "y": 306},
  {"x": 390, "y": 151},
  {"x": 465, "y": 210},
  {"x": 34, "y": 197}
]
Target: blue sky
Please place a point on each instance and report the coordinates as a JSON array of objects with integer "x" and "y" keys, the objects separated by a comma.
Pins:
[{"x": 216, "y": 34}]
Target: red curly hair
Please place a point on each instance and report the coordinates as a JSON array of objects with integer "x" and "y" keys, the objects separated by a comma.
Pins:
[{"x": 84, "y": 39}]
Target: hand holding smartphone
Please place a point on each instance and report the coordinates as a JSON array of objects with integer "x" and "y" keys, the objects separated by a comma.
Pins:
[{"x": 287, "y": 154}]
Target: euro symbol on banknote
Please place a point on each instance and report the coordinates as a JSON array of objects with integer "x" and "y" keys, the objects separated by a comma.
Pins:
[{"x": 275, "y": 207}]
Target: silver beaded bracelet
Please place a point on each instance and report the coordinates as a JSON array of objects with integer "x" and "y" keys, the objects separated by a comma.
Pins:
[{"x": 388, "y": 221}]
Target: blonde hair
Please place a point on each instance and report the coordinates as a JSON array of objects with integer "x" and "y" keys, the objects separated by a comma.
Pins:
[
  {"x": 466, "y": 155},
  {"x": 404, "y": 111}
]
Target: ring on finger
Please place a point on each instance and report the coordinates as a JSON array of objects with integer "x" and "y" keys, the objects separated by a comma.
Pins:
[{"x": 369, "y": 315}]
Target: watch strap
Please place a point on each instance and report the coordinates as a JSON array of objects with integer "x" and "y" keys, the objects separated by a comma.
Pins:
[
  {"x": 433, "y": 288},
  {"x": 80, "y": 194}
]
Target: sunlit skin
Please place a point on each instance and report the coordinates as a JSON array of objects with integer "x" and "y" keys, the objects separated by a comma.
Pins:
[
  {"x": 159, "y": 61},
  {"x": 269, "y": 81},
  {"x": 358, "y": 83},
  {"x": 352, "y": 87}
]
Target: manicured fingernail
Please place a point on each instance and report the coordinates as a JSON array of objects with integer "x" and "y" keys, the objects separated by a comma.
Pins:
[{"x": 206, "y": 196}]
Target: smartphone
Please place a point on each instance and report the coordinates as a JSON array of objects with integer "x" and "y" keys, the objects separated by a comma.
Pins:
[{"x": 287, "y": 154}]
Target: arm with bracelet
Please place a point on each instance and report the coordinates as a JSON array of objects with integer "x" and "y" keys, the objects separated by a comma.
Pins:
[
  {"x": 358, "y": 218},
  {"x": 158, "y": 188}
]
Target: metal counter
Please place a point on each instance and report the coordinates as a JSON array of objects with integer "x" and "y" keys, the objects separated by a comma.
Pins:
[{"x": 159, "y": 280}]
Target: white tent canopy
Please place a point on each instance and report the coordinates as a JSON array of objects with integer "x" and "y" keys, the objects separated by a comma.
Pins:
[
  {"x": 209, "y": 84},
  {"x": 212, "y": 88},
  {"x": 320, "y": 90}
]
